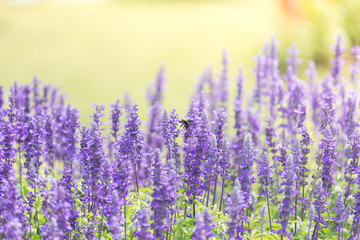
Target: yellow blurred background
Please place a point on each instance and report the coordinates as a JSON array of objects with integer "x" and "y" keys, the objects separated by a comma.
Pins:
[{"x": 96, "y": 51}]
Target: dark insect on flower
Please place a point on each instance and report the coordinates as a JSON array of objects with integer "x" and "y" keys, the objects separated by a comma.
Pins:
[{"x": 185, "y": 123}]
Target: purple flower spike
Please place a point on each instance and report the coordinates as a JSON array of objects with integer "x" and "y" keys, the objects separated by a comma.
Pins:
[
  {"x": 293, "y": 60},
  {"x": 115, "y": 114},
  {"x": 352, "y": 168},
  {"x": 160, "y": 203},
  {"x": 265, "y": 174},
  {"x": 204, "y": 225},
  {"x": 155, "y": 96},
  {"x": 116, "y": 219},
  {"x": 355, "y": 67},
  {"x": 339, "y": 211},
  {"x": 320, "y": 206},
  {"x": 289, "y": 190},
  {"x": 143, "y": 224},
  {"x": 337, "y": 62},
  {"x": 328, "y": 147},
  {"x": 236, "y": 210},
  {"x": 245, "y": 169}
]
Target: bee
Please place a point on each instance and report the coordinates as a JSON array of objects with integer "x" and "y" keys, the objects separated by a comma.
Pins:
[{"x": 185, "y": 123}]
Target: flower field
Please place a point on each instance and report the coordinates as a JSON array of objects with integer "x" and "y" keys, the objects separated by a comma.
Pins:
[{"x": 280, "y": 162}]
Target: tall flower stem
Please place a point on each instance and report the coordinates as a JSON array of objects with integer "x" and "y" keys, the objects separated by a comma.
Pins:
[
  {"x": 268, "y": 205},
  {"x": 36, "y": 214},
  {"x": 208, "y": 193},
  {"x": 222, "y": 193},
  {"x": 125, "y": 220},
  {"x": 214, "y": 192},
  {"x": 20, "y": 169},
  {"x": 296, "y": 201},
  {"x": 101, "y": 225},
  {"x": 303, "y": 204},
  {"x": 194, "y": 207}
]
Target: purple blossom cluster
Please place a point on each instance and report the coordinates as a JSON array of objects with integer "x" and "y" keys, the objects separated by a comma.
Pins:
[{"x": 189, "y": 176}]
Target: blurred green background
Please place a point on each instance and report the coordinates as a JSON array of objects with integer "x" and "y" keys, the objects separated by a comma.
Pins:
[{"x": 96, "y": 51}]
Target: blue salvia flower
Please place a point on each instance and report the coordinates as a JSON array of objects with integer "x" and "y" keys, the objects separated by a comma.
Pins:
[
  {"x": 327, "y": 104},
  {"x": 320, "y": 206},
  {"x": 328, "y": 147},
  {"x": 236, "y": 209},
  {"x": 352, "y": 168},
  {"x": 355, "y": 67},
  {"x": 155, "y": 98},
  {"x": 122, "y": 171},
  {"x": 98, "y": 114},
  {"x": 165, "y": 132},
  {"x": 143, "y": 231},
  {"x": 200, "y": 153},
  {"x": 49, "y": 139},
  {"x": 70, "y": 134},
  {"x": 339, "y": 211},
  {"x": 95, "y": 167},
  {"x": 311, "y": 220},
  {"x": 33, "y": 149},
  {"x": 115, "y": 114},
  {"x": 293, "y": 60},
  {"x": 224, "y": 162},
  {"x": 61, "y": 210},
  {"x": 68, "y": 185},
  {"x": 115, "y": 219},
  {"x": 296, "y": 105},
  {"x": 289, "y": 190},
  {"x": 245, "y": 169},
  {"x": 238, "y": 108},
  {"x": 131, "y": 142},
  {"x": 303, "y": 170},
  {"x": 262, "y": 213},
  {"x": 337, "y": 62},
  {"x": 193, "y": 117},
  {"x": 348, "y": 120},
  {"x": 204, "y": 226},
  {"x": 174, "y": 134},
  {"x": 13, "y": 222},
  {"x": 265, "y": 175},
  {"x": 159, "y": 204}
]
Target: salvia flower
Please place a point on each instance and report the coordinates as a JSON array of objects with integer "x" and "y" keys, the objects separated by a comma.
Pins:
[
  {"x": 337, "y": 62},
  {"x": 116, "y": 218},
  {"x": 204, "y": 226},
  {"x": 328, "y": 147},
  {"x": 265, "y": 174},
  {"x": 160, "y": 203},
  {"x": 236, "y": 209},
  {"x": 293, "y": 60},
  {"x": 320, "y": 205},
  {"x": 311, "y": 220},
  {"x": 339, "y": 211},
  {"x": 115, "y": 114},
  {"x": 286, "y": 209},
  {"x": 245, "y": 169},
  {"x": 355, "y": 67},
  {"x": 143, "y": 224}
]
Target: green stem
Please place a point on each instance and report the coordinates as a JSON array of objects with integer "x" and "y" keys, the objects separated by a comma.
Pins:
[
  {"x": 101, "y": 225},
  {"x": 222, "y": 193},
  {"x": 20, "y": 169},
  {"x": 268, "y": 205}
]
